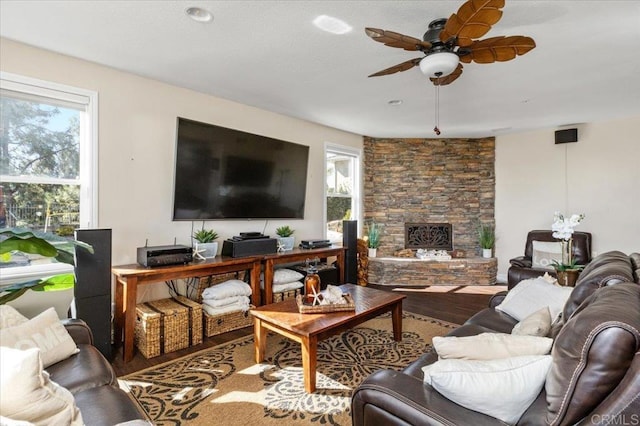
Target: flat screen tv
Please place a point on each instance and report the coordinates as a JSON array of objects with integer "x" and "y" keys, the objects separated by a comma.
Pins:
[{"x": 224, "y": 173}]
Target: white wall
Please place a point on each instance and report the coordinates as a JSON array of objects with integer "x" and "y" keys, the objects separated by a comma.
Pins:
[
  {"x": 137, "y": 119},
  {"x": 598, "y": 176}
]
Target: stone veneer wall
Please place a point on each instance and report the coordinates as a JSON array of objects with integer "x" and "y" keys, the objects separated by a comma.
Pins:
[{"x": 429, "y": 180}]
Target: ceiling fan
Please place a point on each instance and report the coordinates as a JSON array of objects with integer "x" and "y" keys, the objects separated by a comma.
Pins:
[{"x": 448, "y": 42}]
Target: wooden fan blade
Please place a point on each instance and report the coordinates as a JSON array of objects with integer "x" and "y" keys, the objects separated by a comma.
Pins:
[
  {"x": 443, "y": 81},
  {"x": 397, "y": 68},
  {"x": 473, "y": 20},
  {"x": 498, "y": 49},
  {"x": 393, "y": 39}
]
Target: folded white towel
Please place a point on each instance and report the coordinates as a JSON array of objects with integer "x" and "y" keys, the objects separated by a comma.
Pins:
[
  {"x": 225, "y": 309},
  {"x": 218, "y": 303},
  {"x": 281, "y": 288},
  {"x": 226, "y": 289}
]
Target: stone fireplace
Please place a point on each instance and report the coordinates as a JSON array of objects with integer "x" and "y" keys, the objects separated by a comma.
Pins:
[
  {"x": 430, "y": 194},
  {"x": 429, "y": 182}
]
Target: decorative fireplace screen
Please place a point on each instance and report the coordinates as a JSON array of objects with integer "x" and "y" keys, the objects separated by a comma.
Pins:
[{"x": 430, "y": 236}]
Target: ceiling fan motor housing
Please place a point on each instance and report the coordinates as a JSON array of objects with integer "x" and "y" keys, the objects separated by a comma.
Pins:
[{"x": 433, "y": 33}]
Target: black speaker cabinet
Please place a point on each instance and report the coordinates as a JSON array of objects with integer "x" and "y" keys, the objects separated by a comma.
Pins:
[
  {"x": 93, "y": 286},
  {"x": 566, "y": 136},
  {"x": 350, "y": 242}
]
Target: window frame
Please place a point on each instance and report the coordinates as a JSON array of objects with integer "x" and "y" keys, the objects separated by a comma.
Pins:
[
  {"x": 88, "y": 136},
  {"x": 356, "y": 196}
]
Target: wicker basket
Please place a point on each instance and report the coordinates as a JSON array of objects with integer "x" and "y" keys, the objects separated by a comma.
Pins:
[
  {"x": 218, "y": 324},
  {"x": 161, "y": 327},
  {"x": 289, "y": 294},
  {"x": 195, "y": 319}
]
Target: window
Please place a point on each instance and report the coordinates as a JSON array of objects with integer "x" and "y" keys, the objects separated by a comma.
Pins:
[
  {"x": 48, "y": 139},
  {"x": 342, "y": 184}
]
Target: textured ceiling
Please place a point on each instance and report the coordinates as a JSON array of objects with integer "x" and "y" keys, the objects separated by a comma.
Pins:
[{"x": 268, "y": 54}]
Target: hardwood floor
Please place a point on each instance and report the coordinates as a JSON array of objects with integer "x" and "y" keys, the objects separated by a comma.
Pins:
[{"x": 449, "y": 305}]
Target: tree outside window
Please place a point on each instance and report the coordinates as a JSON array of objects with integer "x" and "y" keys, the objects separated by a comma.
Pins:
[{"x": 39, "y": 163}]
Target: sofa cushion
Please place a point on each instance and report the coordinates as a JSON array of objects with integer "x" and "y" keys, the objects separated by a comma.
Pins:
[
  {"x": 532, "y": 295},
  {"x": 487, "y": 346},
  {"x": 501, "y": 388},
  {"x": 27, "y": 393},
  {"x": 10, "y": 317},
  {"x": 593, "y": 352},
  {"x": 86, "y": 369},
  {"x": 607, "y": 269},
  {"x": 43, "y": 331}
]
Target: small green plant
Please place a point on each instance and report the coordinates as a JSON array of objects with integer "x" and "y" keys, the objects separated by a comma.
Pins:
[
  {"x": 486, "y": 236},
  {"x": 205, "y": 235},
  {"x": 284, "y": 231},
  {"x": 571, "y": 266},
  {"x": 373, "y": 234}
]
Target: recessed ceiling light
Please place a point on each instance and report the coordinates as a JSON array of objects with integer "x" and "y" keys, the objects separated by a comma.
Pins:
[
  {"x": 331, "y": 25},
  {"x": 199, "y": 14},
  {"x": 395, "y": 102}
]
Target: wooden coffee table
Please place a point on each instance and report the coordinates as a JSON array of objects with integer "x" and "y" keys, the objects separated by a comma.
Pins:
[{"x": 308, "y": 329}]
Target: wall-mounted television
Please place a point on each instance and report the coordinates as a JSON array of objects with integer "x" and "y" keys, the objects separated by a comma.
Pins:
[{"x": 223, "y": 173}]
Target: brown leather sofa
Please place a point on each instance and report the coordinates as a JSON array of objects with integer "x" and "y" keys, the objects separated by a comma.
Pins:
[
  {"x": 92, "y": 381},
  {"x": 522, "y": 266},
  {"x": 595, "y": 372}
]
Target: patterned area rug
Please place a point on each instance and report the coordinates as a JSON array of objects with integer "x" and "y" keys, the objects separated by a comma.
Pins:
[{"x": 224, "y": 386}]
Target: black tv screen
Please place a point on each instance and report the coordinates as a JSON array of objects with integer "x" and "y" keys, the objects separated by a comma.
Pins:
[{"x": 224, "y": 173}]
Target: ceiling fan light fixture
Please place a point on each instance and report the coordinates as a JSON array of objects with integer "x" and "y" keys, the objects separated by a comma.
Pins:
[{"x": 439, "y": 64}]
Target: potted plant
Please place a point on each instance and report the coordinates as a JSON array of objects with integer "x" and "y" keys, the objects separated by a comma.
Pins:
[
  {"x": 487, "y": 239},
  {"x": 206, "y": 246},
  {"x": 567, "y": 273},
  {"x": 45, "y": 245},
  {"x": 285, "y": 239},
  {"x": 373, "y": 238}
]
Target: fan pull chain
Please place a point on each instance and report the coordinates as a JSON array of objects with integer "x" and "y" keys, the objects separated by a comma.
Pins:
[{"x": 436, "y": 129}]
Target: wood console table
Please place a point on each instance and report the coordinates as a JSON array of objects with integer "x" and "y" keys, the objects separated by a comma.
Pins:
[
  {"x": 299, "y": 255},
  {"x": 129, "y": 277}
]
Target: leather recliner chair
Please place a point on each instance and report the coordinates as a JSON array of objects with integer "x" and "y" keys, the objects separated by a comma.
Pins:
[{"x": 521, "y": 267}]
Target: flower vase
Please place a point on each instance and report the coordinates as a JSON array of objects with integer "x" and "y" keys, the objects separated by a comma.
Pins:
[
  {"x": 486, "y": 253},
  {"x": 568, "y": 278},
  {"x": 566, "y": 251},
  {"x": 373, "y": 252}
]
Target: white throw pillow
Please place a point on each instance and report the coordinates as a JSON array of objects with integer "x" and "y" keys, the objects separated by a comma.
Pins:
[
  {"x": 536, "y": 324},
  {"x": 27, "y": 393},
  {"x": 544, "y": 253},
  {"x": 5, "y": 421},
  {"x": 10, "y": 317},
  {"x": 226, "y": 289},
  {"x": 486, "y": 346},
  {"x": 532, "y": 295},
  {"x": 502, "y": 388},
  {"x": 44, "y": 331}
]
